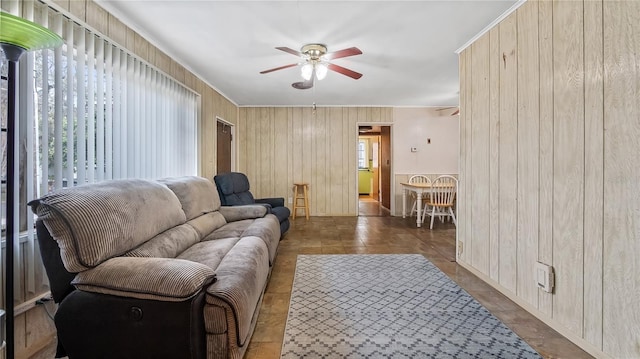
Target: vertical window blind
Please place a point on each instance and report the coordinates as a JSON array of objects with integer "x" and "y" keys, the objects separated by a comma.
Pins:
[{"x": 90, "y": 111}]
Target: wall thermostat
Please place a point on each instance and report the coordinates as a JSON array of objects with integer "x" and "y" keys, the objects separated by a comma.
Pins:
[{"x": 544, "y": 277}]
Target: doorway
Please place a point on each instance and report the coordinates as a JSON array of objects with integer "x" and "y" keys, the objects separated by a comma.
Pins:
[
  {"x": 374, "y": 170},
  {"x": 224, "y": 148}
]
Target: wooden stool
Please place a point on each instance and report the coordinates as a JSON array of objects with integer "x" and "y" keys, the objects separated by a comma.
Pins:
[{"x": 297, "y": 195}]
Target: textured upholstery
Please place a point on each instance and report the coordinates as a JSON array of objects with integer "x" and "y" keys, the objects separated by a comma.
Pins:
[
  {"x": 166, "y": 279},
  {"x": 233, "y": 188},
  {"x": 266, "y": 229},
  {"x": 93, "y": 223},
  {"x": 231, "y": 230},
  {"x": 197, "y": 195},
  {"x": 242, "y": 274},
  {"x": 235, "y": 213},
  {"x": 209, "y": 253},
  {"x": 168, "y": 244},
  {"x": 140, "y": 262},
  {"x": 207, "y": 223}
]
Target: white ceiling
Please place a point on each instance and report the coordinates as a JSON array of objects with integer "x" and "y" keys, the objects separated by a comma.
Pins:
[{"x": 408, "y": 46}]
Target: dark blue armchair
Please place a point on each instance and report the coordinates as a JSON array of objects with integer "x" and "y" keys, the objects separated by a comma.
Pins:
[{"x": 233, "y": 188}]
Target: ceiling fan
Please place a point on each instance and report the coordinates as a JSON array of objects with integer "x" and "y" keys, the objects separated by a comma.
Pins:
[{"x": 314, "y": 62}]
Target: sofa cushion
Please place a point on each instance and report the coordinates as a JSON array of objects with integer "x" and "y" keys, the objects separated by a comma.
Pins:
[
  {"x": 242, "y": 277},
  {"x": 168, "y": 244},
  {"x": 207, "y": 223},
  {"x": 209, "y": 253},
  {"x": 237, "y": 213},
  {"x": 267, "y": 229},
  {"x": 165, "y": 279},
  {"x": 230, "y": 230},
  {"x": 197, "y": 195},
  {"x": 95, "y": 222}
]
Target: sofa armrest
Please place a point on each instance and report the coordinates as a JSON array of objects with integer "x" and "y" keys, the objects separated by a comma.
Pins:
[
  {"x": 164, "y": 279},
  {"x": 237, "y": 213},
  {"x": 273, "y": 202}
]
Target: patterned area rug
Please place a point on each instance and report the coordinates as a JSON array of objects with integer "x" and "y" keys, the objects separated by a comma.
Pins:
[{"x": 389, "y": 306}]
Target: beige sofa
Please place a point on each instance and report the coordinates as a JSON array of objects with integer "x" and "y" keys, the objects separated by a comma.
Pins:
[{"x": 154, "y": 269}]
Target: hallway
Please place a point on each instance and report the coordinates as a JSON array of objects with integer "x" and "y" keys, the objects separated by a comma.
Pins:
[{"x": 369, "y": 207}]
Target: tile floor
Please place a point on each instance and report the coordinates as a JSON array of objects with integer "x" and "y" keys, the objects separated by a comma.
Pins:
[
  {"x": 369, "y": 234},
  {"x": 375, "y": 232}
]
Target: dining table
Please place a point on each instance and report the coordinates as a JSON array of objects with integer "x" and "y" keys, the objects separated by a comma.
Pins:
[{"x": 420, "y": 189}]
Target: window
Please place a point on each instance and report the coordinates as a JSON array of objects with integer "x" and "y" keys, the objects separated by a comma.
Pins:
[
  {"x": 363, "y": 160},
  {"x": 90, "y": 111}
]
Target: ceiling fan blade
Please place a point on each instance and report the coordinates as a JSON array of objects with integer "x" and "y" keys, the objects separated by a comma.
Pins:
[
  {"x": 278, "y": 68},
  {"x": 352, "y": 51},
  {"x": 354, "y": 75},
  {"x": 289, "y": 50}
]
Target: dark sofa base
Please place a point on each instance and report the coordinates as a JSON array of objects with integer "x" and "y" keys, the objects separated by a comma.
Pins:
[{"x": 94, "y": 325}]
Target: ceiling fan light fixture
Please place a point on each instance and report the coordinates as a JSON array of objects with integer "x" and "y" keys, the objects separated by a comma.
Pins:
[
  {"x": 315, "y": 61},
  {"x": 307, "y": 71},
  {"x": 321, "y": 71}
]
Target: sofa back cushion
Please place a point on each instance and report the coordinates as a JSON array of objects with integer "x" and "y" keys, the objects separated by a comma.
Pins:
[
  {"x": 95, "y": 222},
  {"x": 207, "y": 223},
  {"x": 197, "y": 195},
  {"x": 234, "y": 189},
  {"x": 168, "y": 244}
]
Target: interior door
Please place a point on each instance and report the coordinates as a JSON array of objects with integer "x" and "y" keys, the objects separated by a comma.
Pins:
[
  {"x": 223, "y": 147},
  {"x": 385, "y": 166},
  {"x": 375, "y": 155}
]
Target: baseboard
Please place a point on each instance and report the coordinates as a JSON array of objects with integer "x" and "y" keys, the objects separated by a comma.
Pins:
[{"x": 583, "y": 344}]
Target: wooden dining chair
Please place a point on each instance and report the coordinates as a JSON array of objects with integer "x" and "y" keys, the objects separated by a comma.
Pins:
[
  {"x": 417, "y": 179},
  {"x": 441, "y": 199}
]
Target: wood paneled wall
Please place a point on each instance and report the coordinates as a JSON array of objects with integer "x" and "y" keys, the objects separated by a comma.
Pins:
[
  {"x": 550, "y": 172},
  {"x": 33, "y": 328},
  {"x": 213, "y": 106},
  {"x": 280, "y": 146}
]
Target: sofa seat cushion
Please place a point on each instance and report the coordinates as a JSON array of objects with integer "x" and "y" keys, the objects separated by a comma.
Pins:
[
  {"x": 209, "y": 253},
  {"x": 95, "y": 222},
  {"x": 230, "y": 230},
  {"x": 267, "y": 228},
  {"x": 165, "y": 279},
  {"x": 242, "y": 277}
]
